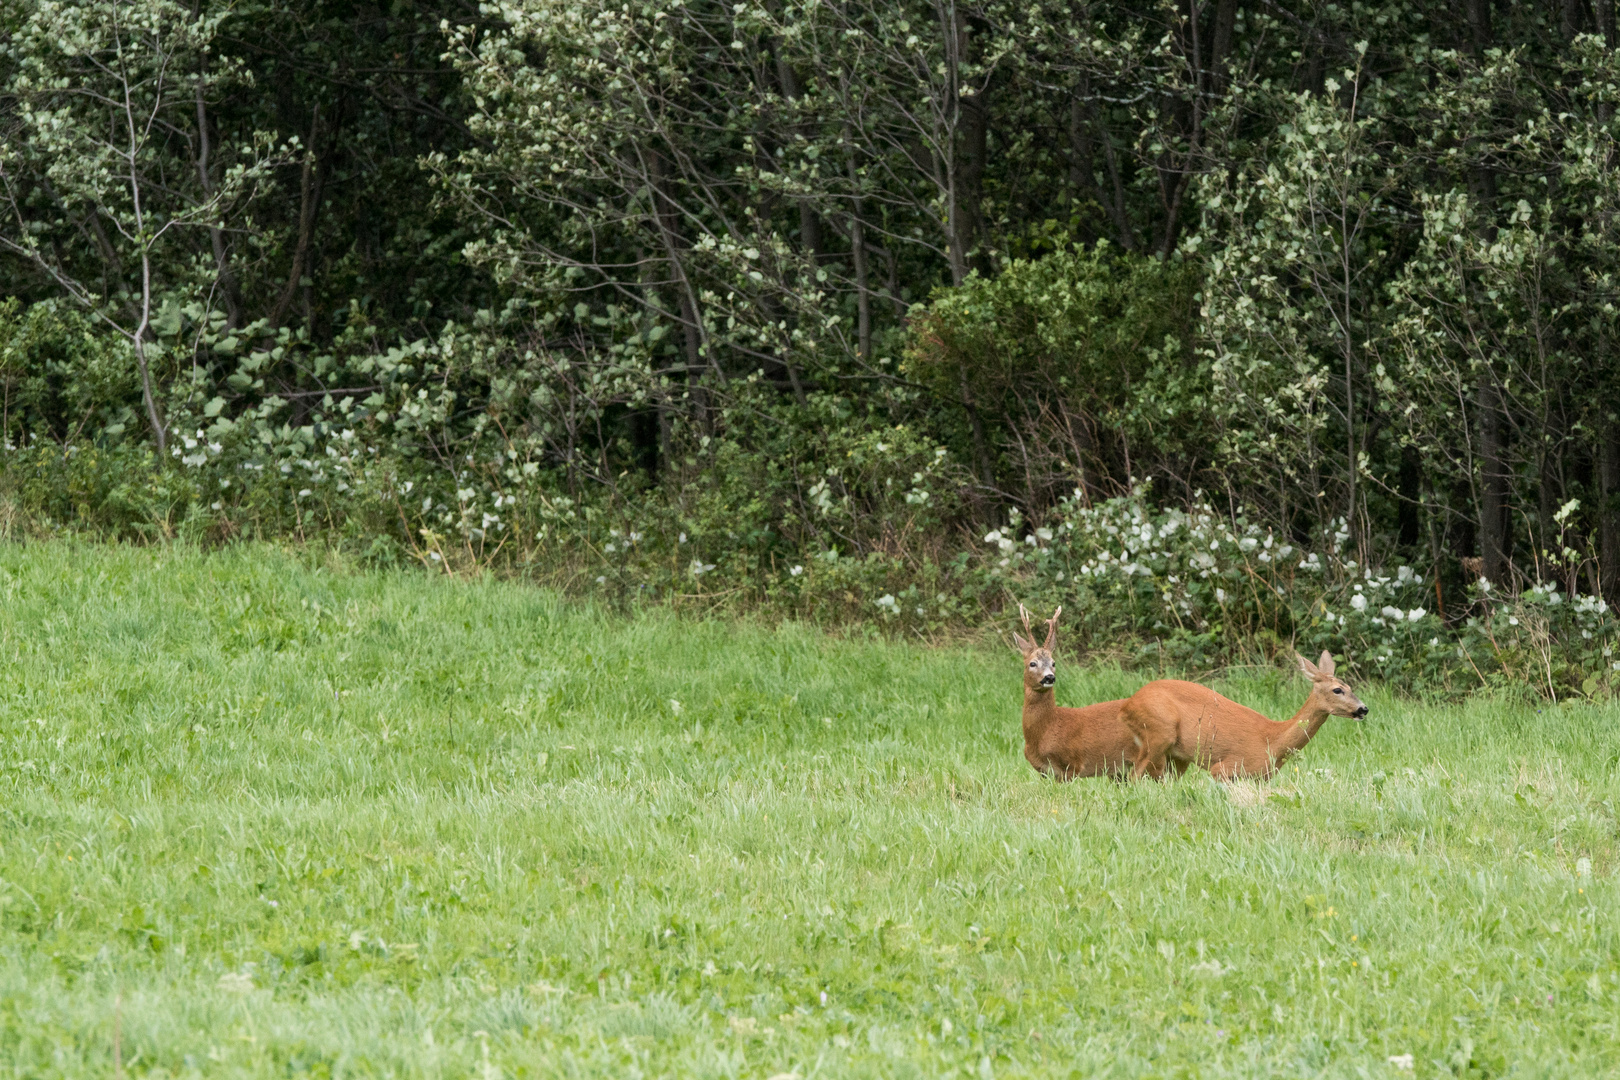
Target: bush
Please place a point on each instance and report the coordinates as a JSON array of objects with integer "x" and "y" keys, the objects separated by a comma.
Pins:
[
  {"x": 1197, "y": 588},
  {"x": 1078, "y": 368}
]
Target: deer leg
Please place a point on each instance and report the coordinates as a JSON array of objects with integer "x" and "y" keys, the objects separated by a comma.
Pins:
[
  {"x": 1153, "y": 738},
  {"x": 1150, "y": 757}
]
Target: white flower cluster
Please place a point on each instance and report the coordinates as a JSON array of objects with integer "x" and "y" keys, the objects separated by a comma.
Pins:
[
  {"x": 1199, "y": 567},
  {"x": 1380, "y": 589},
  {"x": 193, "y": 452}
]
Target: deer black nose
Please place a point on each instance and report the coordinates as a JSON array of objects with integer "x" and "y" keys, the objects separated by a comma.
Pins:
[
  {"x": 1048, "y": 679},
  {"x": 1360, "y": 713}
]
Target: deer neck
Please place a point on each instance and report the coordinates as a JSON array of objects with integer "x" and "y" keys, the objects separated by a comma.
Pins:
[
  {"x": 1301, "y": 729},
  {"x": 1040, "y": 706}
]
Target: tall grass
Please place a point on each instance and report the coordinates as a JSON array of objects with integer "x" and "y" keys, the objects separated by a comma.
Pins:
[{"x": 264, "y": 816}]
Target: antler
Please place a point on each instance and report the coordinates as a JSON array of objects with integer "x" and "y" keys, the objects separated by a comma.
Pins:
[
  {"x": 1051, "y": 628},
  {"x": 1024, "y": 614}
]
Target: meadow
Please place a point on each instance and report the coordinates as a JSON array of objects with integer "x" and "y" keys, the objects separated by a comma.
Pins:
[{"x": 267, "y": 815}]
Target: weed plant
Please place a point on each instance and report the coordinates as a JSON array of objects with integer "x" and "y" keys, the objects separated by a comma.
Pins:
[{"x": 268, "y": 816}]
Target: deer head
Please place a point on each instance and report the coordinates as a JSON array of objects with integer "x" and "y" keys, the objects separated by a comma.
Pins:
[
  {"x": 1040, "y": 670},
  {"x": 1328, "y": 693}
]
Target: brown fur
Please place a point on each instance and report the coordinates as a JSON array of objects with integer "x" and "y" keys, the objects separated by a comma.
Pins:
[
  {"x": 1176, "y": 724},
  {"x": 1062, "y": 742}
]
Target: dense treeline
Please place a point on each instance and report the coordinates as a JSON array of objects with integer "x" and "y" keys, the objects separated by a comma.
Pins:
[{"x": 760, "y": 283}]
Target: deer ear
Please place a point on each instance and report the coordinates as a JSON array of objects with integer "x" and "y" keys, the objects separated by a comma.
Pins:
[
  {"x": 1306, "y": 666},
  {"x": 1024, "y": 647},
  {"x": 1325, "y": 664}
]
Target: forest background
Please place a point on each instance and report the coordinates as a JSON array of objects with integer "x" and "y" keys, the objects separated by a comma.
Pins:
[{"x": 1232, "y": 327}]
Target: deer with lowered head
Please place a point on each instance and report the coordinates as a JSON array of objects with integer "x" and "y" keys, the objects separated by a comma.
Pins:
[
  {"x": 1067, "y": 743},
  {"x": 1176, "y": 724}
]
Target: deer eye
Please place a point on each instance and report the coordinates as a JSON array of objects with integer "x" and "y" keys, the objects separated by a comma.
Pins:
[
  {"x": 1338, "y": 689},
  {"x": 1032, "y": 663}
]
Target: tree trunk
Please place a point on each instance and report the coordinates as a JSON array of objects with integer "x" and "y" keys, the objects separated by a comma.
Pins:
[
  {"x": 1494, "y": 508},
  {"x": 809, "y": 220},
  {"x": 666, "y": 219},
  {"x": 216, "y": 236},
  {"x": 974, "y": 149},
  {"x": 1082, "y": 166},
  {"x": 964, "y": 146},
  {"x": 1494, "y": 491},
  {"x": 1116, "y": 206},
  {"x": 772, "y": 310},
  {"x": 863, "y": 297},
  {"x": 954, "y": 252},
  {"x": 1352, "y": 463},
  {"x": 1411, "y": 492},
  {"x": 1434, "y": 559},
  {"x": 691, "y": 325},
  {"x": 1609, "y": 507},
  {"x": 1479, "y": 25},
  {"x": 857, "y": 246},
  {"x": 1462, "y": 529},
  {"x": 1569, "y": 19},
  {"x": 1220, "y": 46},
  {"x": 311, "y": 181},
  {"x": 138, "y": 338},
  {"x": 148, "y": 398},
  {"x": 1548, "y": 494},
  {"x": 1193, "y": 52}
]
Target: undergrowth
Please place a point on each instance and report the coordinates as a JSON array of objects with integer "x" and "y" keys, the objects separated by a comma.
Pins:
[
  {"x": 1149, "y": 587},
  {"x": 463, "y": 456}
]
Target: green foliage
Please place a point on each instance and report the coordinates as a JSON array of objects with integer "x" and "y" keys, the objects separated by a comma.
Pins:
[
  {"x": 1291, "y": 305},
  {"x": 269, "y": 817},
  {"x": 1184, "y": 586},
  {"x": 1078, "y": 359},
  {"x": 632, "y": 300},
  {"x": 62, "y": 378},
  {"x": 822, "y": 511}
]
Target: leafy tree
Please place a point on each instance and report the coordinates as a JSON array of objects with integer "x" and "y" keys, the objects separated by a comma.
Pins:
[
  {"x": 111, "y": 141},
  {"x": 1297, "y": 254}
]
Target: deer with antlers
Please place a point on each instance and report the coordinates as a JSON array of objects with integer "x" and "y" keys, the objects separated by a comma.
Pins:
[
  {"x": 1067, "y": 743},
  {"x": 1176, "y": 724}
]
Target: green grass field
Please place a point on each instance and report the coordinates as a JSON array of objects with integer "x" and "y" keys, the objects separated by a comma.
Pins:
[{"x": 269, "y": 818}]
